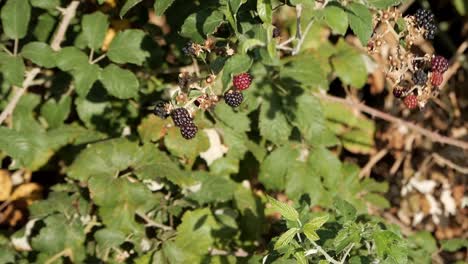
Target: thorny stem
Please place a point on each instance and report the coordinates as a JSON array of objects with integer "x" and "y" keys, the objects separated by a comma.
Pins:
[
  {"x": 7, "y": 51},
  {"x": 347, "y": 253},
  {"x": 152, "y": 223},
  {"x": 435, "y": 137},
  {"x": 68, "y": 15},
  {"x": 324, "y": 253}
]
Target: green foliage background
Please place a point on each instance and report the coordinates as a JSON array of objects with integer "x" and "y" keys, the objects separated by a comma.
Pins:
[{"x": 132, "y": 190}]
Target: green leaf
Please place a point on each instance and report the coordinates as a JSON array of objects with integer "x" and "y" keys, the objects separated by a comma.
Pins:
[
  {"x": 264, "y": 10},
  {"x": 200, "y": 24},
  {"x": 40, "y": 53},
  {"x": 350, "y": 233},
  {"x": 274, "y": 168},
  {"x": 195, "y": 235},
  {"x": 336, "y": 18},
  {"x": 103, "y": 158},
  {"x": 344, "y": 209},
  {"x": 287, "y": 211},
  {"x": 108, "y": 238},
  {"x": 306, "y": 70},
  {"x": 308, "y": 118},
  {"x": 94, "y": 29},
  {"x": 234, "y": 120},
  {"x": 44, "y": 27},
  {"x": 349, "y": 65},
  {"x": 383, "y": 4},
  {"x": 190, "y": 149},
  {"x": 70, "y": 58},
  {"x": 15, "y": 17},
  {"x": 286, "y": 238},
  {"x": 390, "y": 247},
  {"x": 273, "y": 124},
  {"x": 45, "y": 4},
  {"x": 85, "y": 75},
  {"x": 461, "y": 6},
  {"x": 160, "y": 6},
  {"x": 129, "y": 4},
  {"x": 235, "y": 65},
  {"x": 360, "y": 20},
  {"x": 454, "y": 245},
  {"x": 59, "y": 234},
  {"x": 13, "y": 69},
  {"x": 317, "y": 222},
  {"x": 213, "y": 188},
  {"x": 126, "y": 47},
  {"x": 118, "y": 211},
  {"x": 7, "y": 255},
  {"x": 119, "y": 82},
  {"x": 377, "y": 200},
  {"x": 56, "y": 112},
  {"x": 153, "y": 128}
]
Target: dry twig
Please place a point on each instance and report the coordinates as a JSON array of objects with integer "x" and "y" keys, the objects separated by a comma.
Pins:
[{"x": 435, "y": 137}]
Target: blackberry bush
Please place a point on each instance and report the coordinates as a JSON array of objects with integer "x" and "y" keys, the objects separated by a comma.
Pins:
[{"x": 91, "y": 175}]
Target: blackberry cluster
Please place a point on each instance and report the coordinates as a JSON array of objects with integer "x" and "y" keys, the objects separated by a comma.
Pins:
[
  {"x": 233, "y": 98},
  {"x": 419, "y": 77},
  {"x": 398, "y": 92},
  {"x": 425, "y": 19},
  {"x": 182, "y": 119},
  {"x": 161, "y": 110}
]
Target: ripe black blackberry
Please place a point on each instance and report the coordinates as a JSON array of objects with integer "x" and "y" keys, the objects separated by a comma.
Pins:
[
  {"x": 161, "y": 110},
  {"x": 189, "y": 131},
  {"x": 188, "y": 49},
  {"x": 276, "y": 32},
  {"x": 424, "y": 17},
  {"x": 398, "y": 92},
  {"x": 419, "y": 77},
  {"x": 439, "y": 64},
  {"x": 181, "y": 117},
  {"x": 233, "y": 98},
  {"x": 431, "y": 30}
]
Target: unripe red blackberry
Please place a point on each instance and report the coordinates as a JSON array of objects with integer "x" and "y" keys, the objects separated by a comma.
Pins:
[
  {"x": 181, "y": 117},
  {"x": 161, "y": 110},
  {"x": 419, "y": 77},
  {"x": 439, "y": 64},
  {"x": 242, "y": 81},
  {"x": 189, "y": 131},
  {"x": 436, "y": 78},
  {"x": 411, "y": 101},
  {"x": 233, "y": 98}
]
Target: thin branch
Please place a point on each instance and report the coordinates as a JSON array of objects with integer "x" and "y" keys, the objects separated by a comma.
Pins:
[
  {"x": 347, "y": 253},
  {"x": 301, "y": 40},
  {"x": 15, "y": 47},
  {"x": 298, "y": 21},
  {"x": 443, "y": 161},
  {"x": 68, "y": 14},
  {"x": 324, "y": 253},
  {"x": 366, "y": 170},
  {"x": 435, "y": 137},
  {"x": 91, "y": 55},
  {"x": 98, "y": 59},
  {"x": 19, "y": 92},
  {"x": 150, "y": 222},
  {"x": 7, "y": 51}
]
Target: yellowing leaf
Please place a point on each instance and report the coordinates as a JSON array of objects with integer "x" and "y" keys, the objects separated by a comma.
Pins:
[
  {"x": 28, "y": 190},
  {"x": 5, "y": 185}
]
